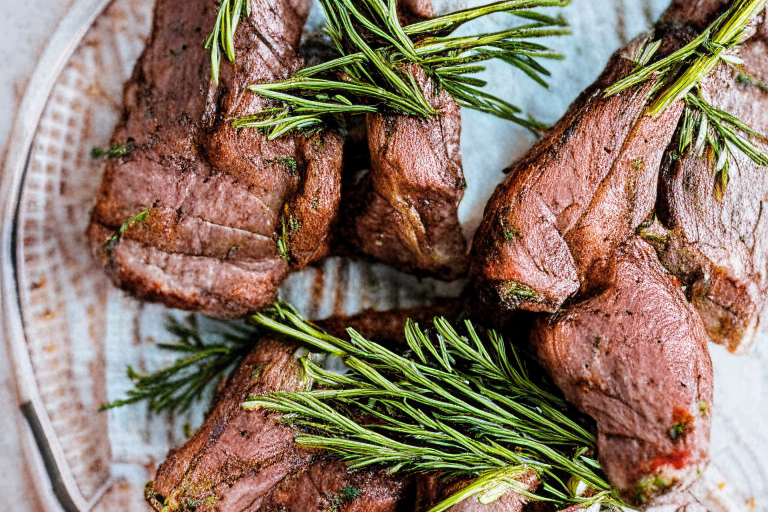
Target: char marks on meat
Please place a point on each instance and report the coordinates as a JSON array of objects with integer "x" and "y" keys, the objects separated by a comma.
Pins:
[
  {"x": 635, "y": 358},
  {"x": 718, "y": 246},
  {"x": 404, "y": 211},
  {"x": 218, "y": 199}
]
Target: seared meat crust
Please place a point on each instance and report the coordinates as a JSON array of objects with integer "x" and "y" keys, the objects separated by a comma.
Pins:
[
  {"x": 242, "y": 460},
  {"x": 718, "y": 246},
  {"x": 218, "y": 199},
  {"x": 626, "y": 338},
  {"x": 404, "y": 211},
  {"x": 580, "y": 191},
  {"x": 634, "y": 357},
  {"x": 592, "y": 181}
]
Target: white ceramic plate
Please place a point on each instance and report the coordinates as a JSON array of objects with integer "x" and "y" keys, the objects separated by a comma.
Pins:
[{"x": 73, "y": 334}]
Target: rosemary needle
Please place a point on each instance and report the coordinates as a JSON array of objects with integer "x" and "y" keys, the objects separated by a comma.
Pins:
[
  {"x": 202, "y": 364},
  {"x": 460, "y": 404},
  {"x": 678, "y": 77},
  {"x": 223, "y": 34},
  {"x": 373, "y": 72},
  {"x": 685, "y": 68}
]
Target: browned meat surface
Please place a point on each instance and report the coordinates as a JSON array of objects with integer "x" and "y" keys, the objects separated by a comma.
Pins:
[
  {"x": 246, "y": 461},
  {"x": 718, "y": 248},
  {"x": 217, "y": 198},
  {"x": 625, "y": 340},
  {"x": 698, "y": 14},
  {"x": 412, "y": 11},
  {"x": 404, "y": 211},
  {"x": 582, "y": 189},
  {"x": 551, "y": 227},
  {"x": 634, "y": 357},
  {"x": 242, "y": 460}
]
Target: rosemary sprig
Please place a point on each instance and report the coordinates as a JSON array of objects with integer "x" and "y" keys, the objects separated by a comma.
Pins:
[
  {"x": 678, "y": 76},
  {"x": 463, "y": 405},
  {"x": 113, "y": 152},
  {"x": 201, "y": 365},
  {"x": 374, "y": 70},
  {"x": 223, "y": 34},
  {"x": 721, "y": 132},
  {"x": 684, "y": 69},
  {"x": 282, "y": 241}
]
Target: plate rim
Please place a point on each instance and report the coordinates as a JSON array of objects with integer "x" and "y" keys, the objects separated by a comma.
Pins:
[{"x": 44, "y": 455}]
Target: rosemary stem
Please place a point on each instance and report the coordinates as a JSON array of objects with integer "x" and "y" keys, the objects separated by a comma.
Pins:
[{"x": 455, "y": 404}]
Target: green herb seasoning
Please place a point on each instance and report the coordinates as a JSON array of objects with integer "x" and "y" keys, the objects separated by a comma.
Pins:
[
  {"x": 678, "y": 76},
  {"x": 223, "y": 35},
  {"x": 201, "y": 365},
  {"x": 374, "y": 72},
  {"x": 460, "y": 404}
]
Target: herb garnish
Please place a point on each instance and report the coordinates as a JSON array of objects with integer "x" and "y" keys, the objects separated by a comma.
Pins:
[
  {"x": 282, "y": 241},
  {"x": 725, "y": 135},
  {"x": 459, "y": 404},
  {"x": 113, "y": 152},
  {"x": 223, "y": 35},
  {"x": 201, "y": 365},
  {"x": 128, "y": 224},
  {"x": 376, "y": 51},
  {"x": 678, "y": 76}
]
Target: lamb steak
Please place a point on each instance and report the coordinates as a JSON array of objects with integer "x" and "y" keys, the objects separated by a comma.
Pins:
[
  {"x": 549, "y": 228},
  {"x": 717, "y": 245},
  {"x": 404, "y": 210},
  {"x": 241, "y": 460},
  {"x": 634, "y": 357},
  {"x": 572, "y": 232},
  {"x": 193, "y": 214},
  {"x": 602, "y": 171}
]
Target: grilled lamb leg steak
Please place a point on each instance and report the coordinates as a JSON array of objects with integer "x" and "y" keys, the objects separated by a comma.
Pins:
[
  {"x": 624, "y": 342},
  {"x": 634, "y": 357},
  {"x": 242, "y": 460},
  {"x": 404, "y": 211},
  {"x": 718, "y": 246},
  {"x": 549, "y": 228},
  {"x": 216, "y": 201}
]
